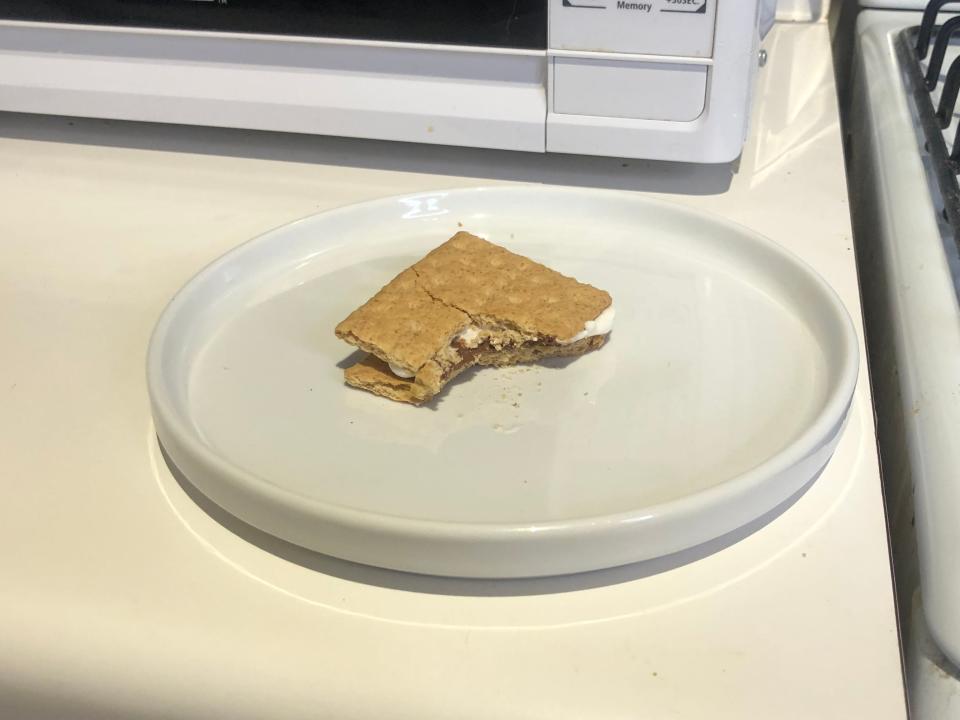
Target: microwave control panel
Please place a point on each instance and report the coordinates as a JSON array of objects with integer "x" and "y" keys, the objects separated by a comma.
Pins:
[
  {"x": 682, "y": 28},
  {"x": 660, "y": 79}
]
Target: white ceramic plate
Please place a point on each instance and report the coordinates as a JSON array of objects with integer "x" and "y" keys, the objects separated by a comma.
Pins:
[{"x": 722, "y": 391}]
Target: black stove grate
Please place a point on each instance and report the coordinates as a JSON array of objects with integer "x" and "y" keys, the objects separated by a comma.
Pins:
[{"x": 912, "y": 46}]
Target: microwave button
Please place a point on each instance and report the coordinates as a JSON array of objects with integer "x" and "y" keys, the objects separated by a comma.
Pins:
[{"x": 682, "y": 28}]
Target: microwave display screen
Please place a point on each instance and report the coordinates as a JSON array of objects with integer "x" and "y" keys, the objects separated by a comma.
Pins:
[{"x": 492, "y": 23}]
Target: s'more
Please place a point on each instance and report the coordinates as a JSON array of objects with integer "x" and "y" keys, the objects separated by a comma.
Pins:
[{"x": 469, "y": 302}]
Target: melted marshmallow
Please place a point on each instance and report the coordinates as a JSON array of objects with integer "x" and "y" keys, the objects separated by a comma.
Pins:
[{"x": 600, "y": 325}]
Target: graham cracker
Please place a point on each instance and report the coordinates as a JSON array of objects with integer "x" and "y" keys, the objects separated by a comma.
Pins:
[
  {"x": 402, "y": 323},
  {"x": 373, "y": 374},
  {"x": 490, "y": 283},
  {"x": 516, "y": 310}
]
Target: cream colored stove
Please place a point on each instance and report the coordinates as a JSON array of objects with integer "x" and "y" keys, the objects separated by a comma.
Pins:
[
  {"x": 903, "y": 162},
  {"x": 126, "y": 596}
]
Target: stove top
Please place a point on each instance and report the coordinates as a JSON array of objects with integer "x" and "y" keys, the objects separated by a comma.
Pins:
[{"x": 904, "y": 156}]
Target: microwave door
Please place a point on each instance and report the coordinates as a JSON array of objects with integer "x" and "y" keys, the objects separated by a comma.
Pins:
[{"x": 520, "y": 24}]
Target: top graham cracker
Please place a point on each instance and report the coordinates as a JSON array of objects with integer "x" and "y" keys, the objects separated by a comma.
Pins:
[{"x": 465, "y": 281}]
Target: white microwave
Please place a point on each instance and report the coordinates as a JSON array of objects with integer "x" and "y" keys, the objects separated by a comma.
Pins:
[{"x": 657, "y": 79}]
